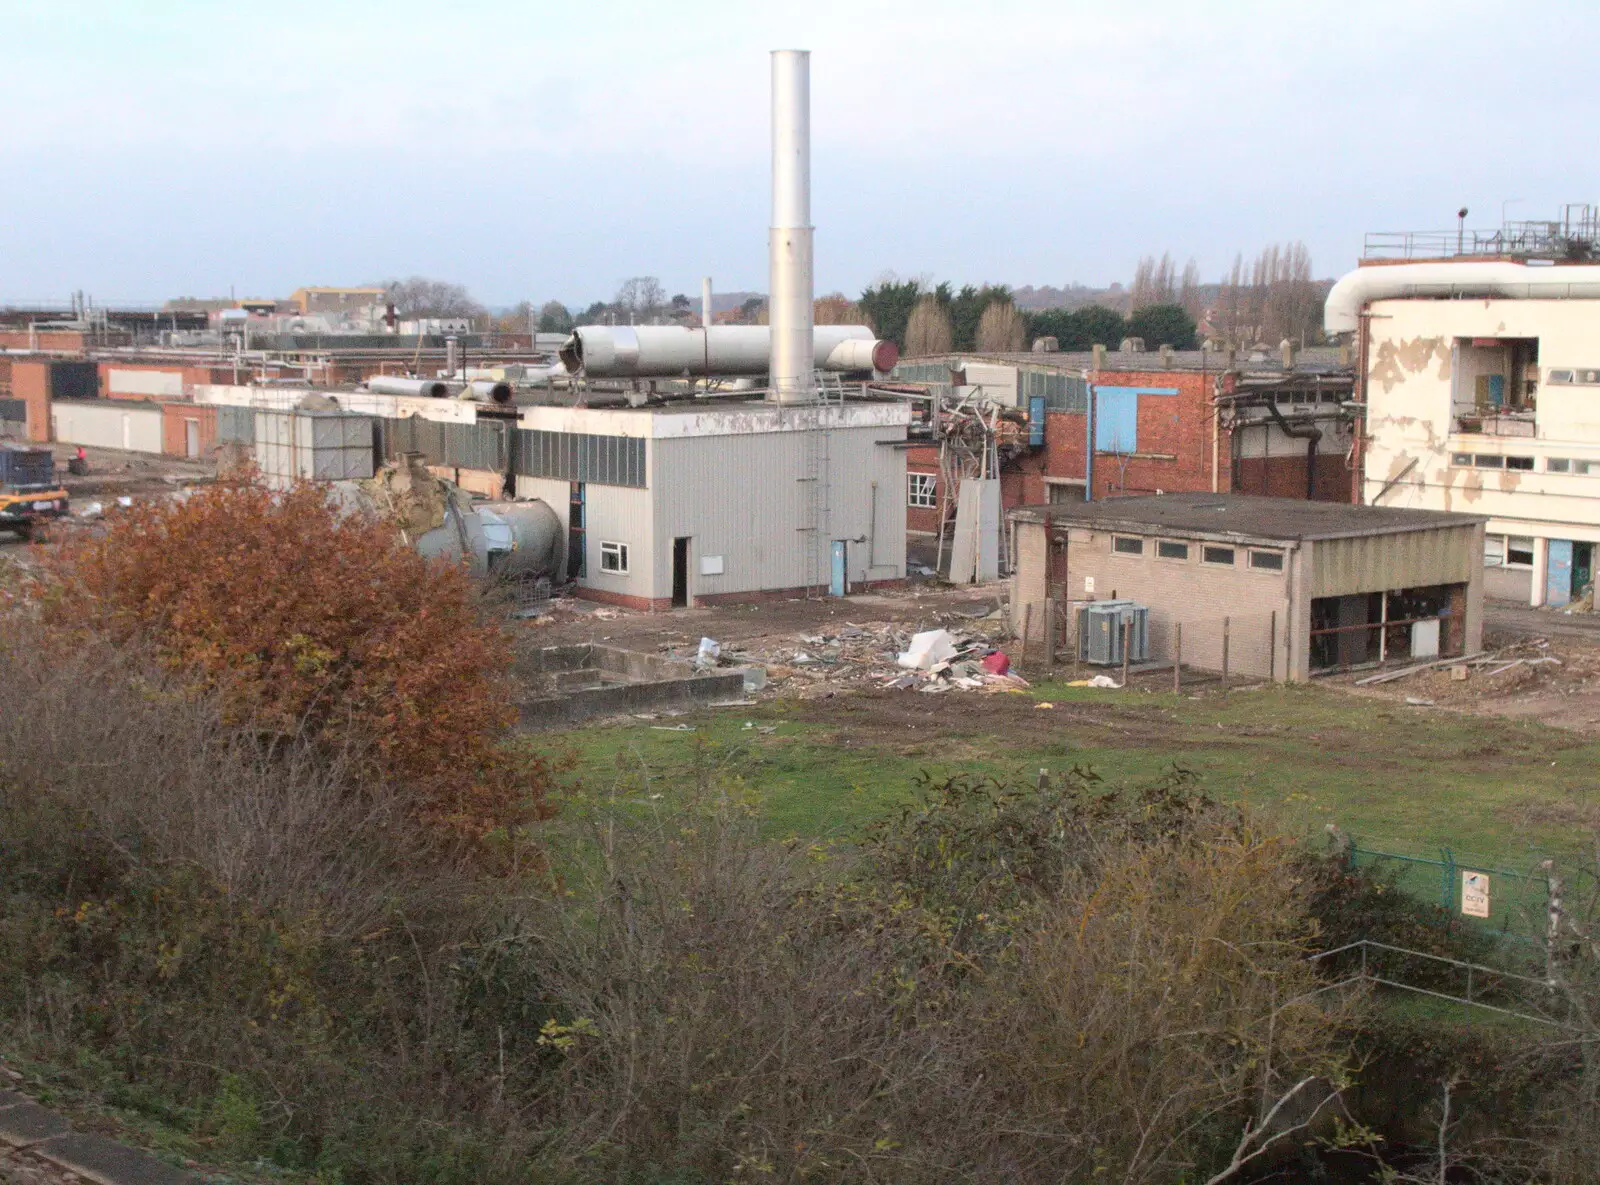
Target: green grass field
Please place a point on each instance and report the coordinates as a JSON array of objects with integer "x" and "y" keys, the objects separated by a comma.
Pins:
[{"x": 1399, "y": 778}]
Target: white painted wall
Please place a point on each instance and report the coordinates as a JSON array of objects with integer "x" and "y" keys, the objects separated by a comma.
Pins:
[
  {"x": 1411, "y": 358},
  {"x": 145, "y": 382},
  {"x": 114, "y": 425}
]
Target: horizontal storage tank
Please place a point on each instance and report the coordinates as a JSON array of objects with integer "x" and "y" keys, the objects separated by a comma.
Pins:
[{"x": 306, "y": 445}]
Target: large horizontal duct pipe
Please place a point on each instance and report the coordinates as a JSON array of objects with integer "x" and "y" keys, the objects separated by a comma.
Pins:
[
  {"x": 1510, "y": 281},
  {"x": 665, "y": 351},
  {"x": 388, "y": 384},
  {"x": 487, "y": 391}
]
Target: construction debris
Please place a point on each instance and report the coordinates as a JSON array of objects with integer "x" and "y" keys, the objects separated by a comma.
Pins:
[{"x": 880, "y": 654}]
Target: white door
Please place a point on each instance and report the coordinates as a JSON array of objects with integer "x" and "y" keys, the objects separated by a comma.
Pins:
[
  {"x": 191, "y": 438},
  {"x": 127, "y": 432}
]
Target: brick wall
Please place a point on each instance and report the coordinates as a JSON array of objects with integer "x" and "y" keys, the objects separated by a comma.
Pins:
[
  {"x": 175, "y": 431},
  {"x": 30, "y": 382},
  {"x": 1174, "y": 437},
  {"x": 1195, "y": 594},
  {"x": 1285, "y": 477}
]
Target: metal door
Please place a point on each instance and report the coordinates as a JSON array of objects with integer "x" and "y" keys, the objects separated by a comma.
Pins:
[
  {"x": 1582, "y": 567},
  {"x": 1558, "y": 572},
  {"x": 837, "y": 585}
]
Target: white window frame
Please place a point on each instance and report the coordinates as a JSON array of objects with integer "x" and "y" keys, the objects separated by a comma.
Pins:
[
  {"x": 617, "y": 553},
  {"x": 1513, "y": 541},
  {"x": 1231, "y": 561},
  {"x": 1494, "y": 551},
  {"x": 1261, "y": 551},
  {"x": 1135, "y": 539},
  {"x": 922, "y": 491},
  {"x": 1176, "y": 559}
]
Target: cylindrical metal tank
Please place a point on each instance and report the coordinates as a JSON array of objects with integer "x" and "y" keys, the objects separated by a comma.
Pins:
[
  {"x": 665, "y": 351},
  {"x": 525, "y": 539},
  {"x": 388, "y": 384}
]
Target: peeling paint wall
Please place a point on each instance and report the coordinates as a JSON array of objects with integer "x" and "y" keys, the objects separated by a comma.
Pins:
[{"x": 1411, "y": 391}]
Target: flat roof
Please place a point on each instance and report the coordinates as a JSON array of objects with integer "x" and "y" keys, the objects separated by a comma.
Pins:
[
  {"x": 1244, "y": 516},
  {"x": 1314, "y": 360}
]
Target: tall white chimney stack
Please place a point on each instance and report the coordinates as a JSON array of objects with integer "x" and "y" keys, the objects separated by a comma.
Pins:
[
  {"x": 705, "y": 303},
  {"x": 793, "y": 376}
]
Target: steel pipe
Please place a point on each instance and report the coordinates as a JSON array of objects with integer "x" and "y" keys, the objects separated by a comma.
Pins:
[
  {"x": 389, "y": 384},
  {"x": 1496, "y": 278},
  {"x": 487, "y": 391}
]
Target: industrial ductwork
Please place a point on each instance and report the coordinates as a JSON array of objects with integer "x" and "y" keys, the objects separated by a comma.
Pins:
[
  {"x": 388, "y": 384},
  {"x": 1509, "y": 281},
  {"x": 667, "y": 351},
  {"x": 487, "y": 391}
]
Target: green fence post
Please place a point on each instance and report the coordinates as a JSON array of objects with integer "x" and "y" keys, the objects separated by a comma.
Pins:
[{"x": 1447, "y": 885}]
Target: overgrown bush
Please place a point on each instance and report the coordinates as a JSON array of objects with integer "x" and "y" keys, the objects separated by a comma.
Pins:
[
  {"x": 309, "y": 621},
  {"x": 1003, "y": 985}
]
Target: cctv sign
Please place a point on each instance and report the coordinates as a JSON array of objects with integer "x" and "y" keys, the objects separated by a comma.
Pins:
[{"x": 1475, "y": 894}]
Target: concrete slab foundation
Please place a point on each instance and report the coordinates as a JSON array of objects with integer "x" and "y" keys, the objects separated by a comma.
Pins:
[{"x": 566, "y": 684}]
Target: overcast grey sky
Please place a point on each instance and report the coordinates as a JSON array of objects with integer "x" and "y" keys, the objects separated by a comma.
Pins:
[{"x": 537, "y": 150}]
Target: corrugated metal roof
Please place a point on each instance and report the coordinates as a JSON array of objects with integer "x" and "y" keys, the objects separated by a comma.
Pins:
[{"x": 1243, "y": 516}]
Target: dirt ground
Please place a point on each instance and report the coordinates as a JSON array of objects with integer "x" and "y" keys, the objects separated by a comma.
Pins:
[
  {"x": 1553, "y": 679},
  {"x": 848, "y": 646}
]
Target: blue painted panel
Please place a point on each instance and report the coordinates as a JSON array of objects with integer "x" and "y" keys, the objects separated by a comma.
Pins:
[
  {"x": 1497, "y": 390},
  {"x": 1036, "y": 411},
  {"x": 1116, "y": 420},
  {"x": 1558, "y": 572},
  {"x": 1116, "y": 423},
  {"x": 836, "y": 584}
]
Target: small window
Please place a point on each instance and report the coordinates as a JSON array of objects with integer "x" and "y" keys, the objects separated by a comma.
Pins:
[
  {"x": 1127, "y": 545},
  {"x": 1271, "y": 561},
  {"x": 1169, "y": 550},
  {"x": 1494, "y": 551},
  {"x": 1519, "y": 462},
  {"x": 1557, "y": 465},
  {"x": 1586, "y": 467},
  {"x": 922, "y": 489},
  {"x": 1217, "y": 555},
  {"x": 1490, "y": 461},
  {"x": 1519, "y": 552},
  {"x": 1461, "y": 458},
  {"x": 613, "y": 557}
]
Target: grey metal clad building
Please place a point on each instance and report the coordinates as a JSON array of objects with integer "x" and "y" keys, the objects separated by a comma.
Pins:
[
  {"x": 670, "y": 504},
  {"x": 1295, "y": 587},
  {"x": 737, "y": 500}
]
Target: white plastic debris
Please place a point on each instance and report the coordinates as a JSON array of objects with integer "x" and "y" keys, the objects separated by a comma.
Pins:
[
  {"x": 124, "y": 501},
  {"x": 928, "y": 650},
  {"x": 706, "y": 657},
  {"x": 1104, "y": 681},
  {"x": 92, "y": 510}
]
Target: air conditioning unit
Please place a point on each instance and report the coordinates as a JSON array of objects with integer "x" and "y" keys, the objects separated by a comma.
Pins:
[{"x": 1100, "y": 632}]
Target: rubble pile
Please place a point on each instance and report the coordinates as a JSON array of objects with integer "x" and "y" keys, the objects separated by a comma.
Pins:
[{"x": 881, "y": 654}]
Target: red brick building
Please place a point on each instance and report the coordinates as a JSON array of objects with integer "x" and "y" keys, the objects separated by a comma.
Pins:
[{"x": 1160, "y": 422}]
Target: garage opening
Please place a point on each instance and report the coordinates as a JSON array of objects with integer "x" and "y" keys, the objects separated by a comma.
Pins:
[{"x": 1371, "y": 629}]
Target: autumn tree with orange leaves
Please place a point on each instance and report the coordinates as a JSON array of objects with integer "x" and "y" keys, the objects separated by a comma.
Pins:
[{"x": 308, "y": 621}]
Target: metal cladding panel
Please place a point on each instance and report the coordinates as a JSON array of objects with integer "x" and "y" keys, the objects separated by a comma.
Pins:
[
  {"x": 743, "y": 498},
  {"x": 1405, "y": 559},
  {"x": 579, "y": 456},
  {"x": 236, "y": 425}
]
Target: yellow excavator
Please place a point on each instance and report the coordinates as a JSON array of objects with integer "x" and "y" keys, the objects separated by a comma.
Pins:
[{"x": 30, "y": 495}]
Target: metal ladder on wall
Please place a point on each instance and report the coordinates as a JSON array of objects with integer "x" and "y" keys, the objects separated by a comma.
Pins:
[{"x": 813, "y": 421}]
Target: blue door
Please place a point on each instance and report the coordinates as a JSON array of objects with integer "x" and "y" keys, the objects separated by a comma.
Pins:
[
  {"x": 836, "y": 584},
  {"x": 1558, "y": 572}
]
